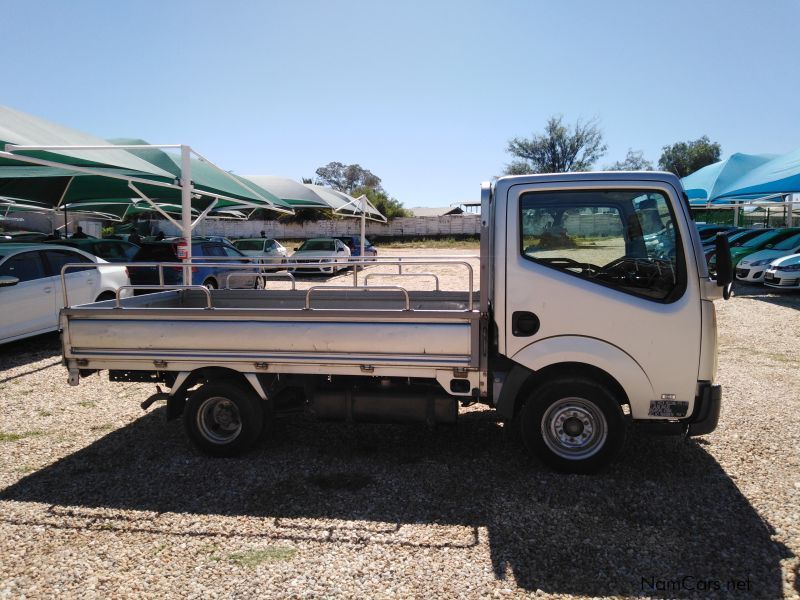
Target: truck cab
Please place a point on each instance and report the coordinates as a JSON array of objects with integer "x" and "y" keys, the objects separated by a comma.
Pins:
[{"x": 601, "y": 311}]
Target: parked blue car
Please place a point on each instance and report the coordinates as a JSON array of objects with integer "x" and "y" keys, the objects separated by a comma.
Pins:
[
  {"x": 205, "y": 251},
  {"x": 354, "y": 243}
]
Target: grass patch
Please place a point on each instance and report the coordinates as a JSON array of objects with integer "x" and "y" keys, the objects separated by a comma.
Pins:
[
  {"x": 15, "y": 437},
  {"x": 253, "y": 558},
  {"x": 465, "y": 243},
  {"x": 86, "y": 404},
  {"x": 45, "y": 413},
  {"x": 784, "y": 358},
  {"x": 104, "y": 427}
]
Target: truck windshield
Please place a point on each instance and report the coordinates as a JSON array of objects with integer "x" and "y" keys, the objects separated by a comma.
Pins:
[{"x": 623, "y": 239}]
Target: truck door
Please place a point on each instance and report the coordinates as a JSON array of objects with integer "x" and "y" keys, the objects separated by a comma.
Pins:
[{"x": 606, "y": 261}]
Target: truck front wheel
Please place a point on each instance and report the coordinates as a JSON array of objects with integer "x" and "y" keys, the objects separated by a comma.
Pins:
[
  {"x": 573, "y": 425},
  {"x": 223, "y": 419}
]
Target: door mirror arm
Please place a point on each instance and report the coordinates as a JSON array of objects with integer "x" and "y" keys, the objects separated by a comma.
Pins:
[{"x": 724, "y": 266}]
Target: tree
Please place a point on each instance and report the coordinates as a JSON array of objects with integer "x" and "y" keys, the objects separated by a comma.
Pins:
[
  {"x": 346, "y": 178},
  {"x": 308, "y": 180},
  {"x": 634, "y": 161},
  {"x": 390, "y": 208},
  {"x": 559, "y": 149},
  {"x": 684, "y": 158},
  {"x": 355, "y": 180}
]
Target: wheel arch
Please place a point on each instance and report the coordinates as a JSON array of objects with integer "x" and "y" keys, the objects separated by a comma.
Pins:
[
  {"x": 575, "y": 356},
  {"x": 178, "y": 396}
]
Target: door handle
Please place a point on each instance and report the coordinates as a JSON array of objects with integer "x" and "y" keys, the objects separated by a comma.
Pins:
[
  {"x": 524, "y": 323},
  {"x": 48, "y": 289}
]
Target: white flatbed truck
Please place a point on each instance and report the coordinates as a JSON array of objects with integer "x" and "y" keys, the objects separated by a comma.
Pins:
[{"x": 594, "y": 312}]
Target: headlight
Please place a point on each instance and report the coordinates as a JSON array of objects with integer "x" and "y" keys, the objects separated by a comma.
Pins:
[
  {"x": 788, "y": 268},
  {"x": 758, "y": 263}
]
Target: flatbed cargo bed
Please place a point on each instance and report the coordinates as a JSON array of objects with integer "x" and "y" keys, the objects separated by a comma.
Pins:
[{"x": 297, "y": 331}]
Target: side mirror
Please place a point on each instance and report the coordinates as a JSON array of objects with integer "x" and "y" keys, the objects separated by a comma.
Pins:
[
  {"x": 724, "y": 266},
  {"x": 8, "y": 280}
]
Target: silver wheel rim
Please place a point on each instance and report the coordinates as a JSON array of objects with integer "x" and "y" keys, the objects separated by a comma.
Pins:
[
  {"x": 574, "y": 428},
  {"x": 219, "y": 420}
]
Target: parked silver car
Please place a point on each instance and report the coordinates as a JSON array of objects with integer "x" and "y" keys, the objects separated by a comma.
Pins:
[
  {"x": 30, "y": 286},
  {"x": 267, "y": 250}
]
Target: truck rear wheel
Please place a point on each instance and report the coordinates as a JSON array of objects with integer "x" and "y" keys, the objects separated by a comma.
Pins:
[
  {"x": 223, "y": 419},
  {"x": 573, "y": 425}
]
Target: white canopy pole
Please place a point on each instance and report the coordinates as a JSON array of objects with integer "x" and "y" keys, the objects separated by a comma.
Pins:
[
  {"x": 363, "y": 223},
  {"x": 186, "y": 211}
]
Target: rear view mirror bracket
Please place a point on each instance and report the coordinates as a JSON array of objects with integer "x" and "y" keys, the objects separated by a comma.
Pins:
[{"x": 724, "y": 265}]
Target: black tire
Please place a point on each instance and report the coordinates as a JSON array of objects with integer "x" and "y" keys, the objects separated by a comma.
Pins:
[
  {"x": 223, "y": 419},
  {"x": 573, "y": 425},
  {"x": 211, "y": 284},
  {"x": 106, "y": 296}
]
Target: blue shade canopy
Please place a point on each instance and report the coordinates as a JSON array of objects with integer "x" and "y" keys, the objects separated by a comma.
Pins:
[
  {"x": 781, "y": 175},
  {"x": 711, "y": 182},
  {"x": 745, "y": 176}
]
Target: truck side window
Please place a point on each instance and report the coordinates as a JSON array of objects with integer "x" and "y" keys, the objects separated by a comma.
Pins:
[{"x": 623, "y": 239}]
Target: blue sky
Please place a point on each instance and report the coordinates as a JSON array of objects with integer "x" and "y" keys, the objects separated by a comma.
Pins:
[{"x": 424, "y": 94}]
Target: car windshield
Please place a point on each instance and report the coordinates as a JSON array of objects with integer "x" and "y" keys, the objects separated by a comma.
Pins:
[
  {"x": 760, "y": 239},
  {"x": 789, "y": 243},
  {"x": 249, "y": 244},
  {"x": 156, "y": 253},
  {"x": 317, "y": 245},
  {"x": 740, "y": 237}
]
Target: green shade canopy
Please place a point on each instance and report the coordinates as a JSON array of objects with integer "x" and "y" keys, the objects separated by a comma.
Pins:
[
  {"x": 205, "y": 176},
  {"x": 294, "y": 193},
  {"x": 344, "y": 203},
  {"x": 154, "y": 173},
  {"x": 22, "y": 129}
]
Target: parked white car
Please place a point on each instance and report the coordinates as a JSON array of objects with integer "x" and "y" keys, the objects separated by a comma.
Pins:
[
  {"x": 784, "y": 272},
  {"x": 321, "y": 250},
  {"x": 269, "y": 251},
  {"x": 753, "y": 267},
  {"x": 30, "y": 286}
]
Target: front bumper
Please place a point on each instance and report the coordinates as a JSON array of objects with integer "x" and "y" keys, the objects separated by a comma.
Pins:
[
  {"x": 707, "y": 405},
  {"x": 784, "y": 279},
  {"x": 751, "y": 274}
]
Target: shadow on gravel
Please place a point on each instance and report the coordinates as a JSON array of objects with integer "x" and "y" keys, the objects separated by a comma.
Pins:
[
  {"x": 663, "y": 521},
  {"x": 787, "y": 298},
  {"x": 30, "y": 350}
]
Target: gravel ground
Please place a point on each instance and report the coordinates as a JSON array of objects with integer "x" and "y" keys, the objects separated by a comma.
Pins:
[{"x": 98, "y": 499}]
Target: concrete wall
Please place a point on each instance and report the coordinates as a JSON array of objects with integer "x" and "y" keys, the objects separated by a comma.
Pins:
[{"x": 404, "y": 227}]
